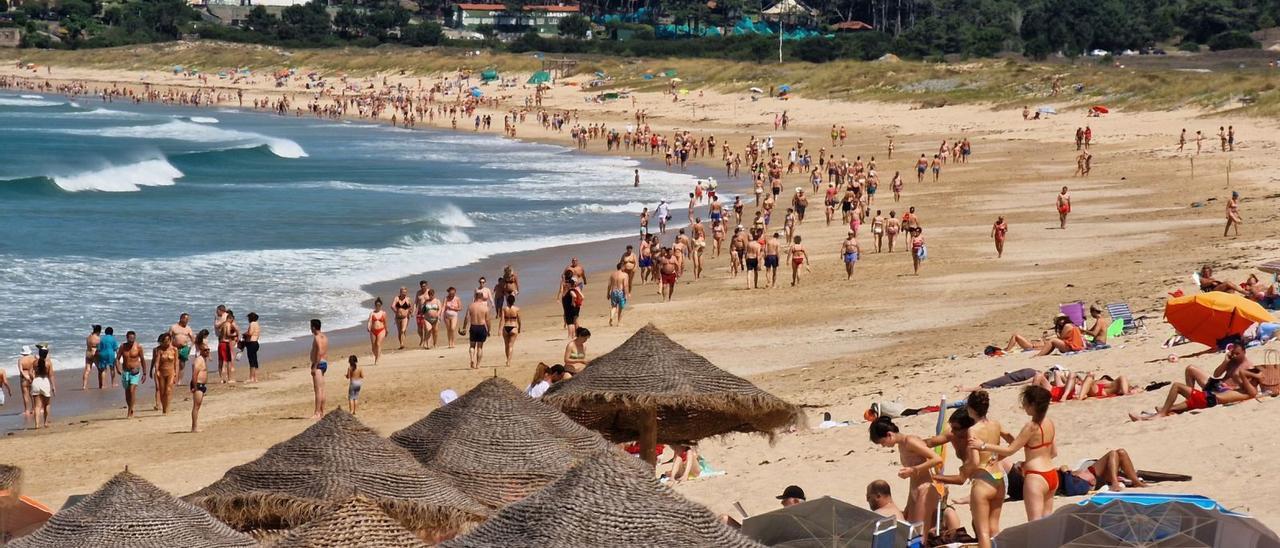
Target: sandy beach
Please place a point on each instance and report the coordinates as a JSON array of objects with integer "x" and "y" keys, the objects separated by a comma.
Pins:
[{"x": 829, "y": 344}]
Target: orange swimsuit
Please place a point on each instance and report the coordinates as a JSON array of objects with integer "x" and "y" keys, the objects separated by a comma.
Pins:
[{"x": 1051, "y": 476}]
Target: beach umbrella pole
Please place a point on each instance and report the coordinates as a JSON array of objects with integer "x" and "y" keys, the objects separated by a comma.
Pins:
[{"x": 649, "y": 436}]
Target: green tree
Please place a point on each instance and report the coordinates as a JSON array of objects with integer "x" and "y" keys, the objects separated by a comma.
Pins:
[
  {"x": 347, "y": 21},
  {"x": 1232, "y": 39},
  {"x": 261, "y": 21},
  {"x": 422, "y": 34},
  {"x": 574, "y": 26}
]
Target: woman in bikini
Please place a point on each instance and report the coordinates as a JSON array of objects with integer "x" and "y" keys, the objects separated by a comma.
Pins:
[
  {"x": 918, "y": 253},
  {"x": 891, "y": 228},
  {"x": 918, "y": 462},
  {"x": 897, "y": 186},
  {"x": 982, "y": 467},
  {"x": 998, "y": 232},
  {"x": 510, "y": 325},
  {"x": 403, "y": 307},
  {"x": 799, "y": 257},
  {"x": 1233, "y": 214},
  {"x": 430, "y": 313},
  {"x": 452, "y": 306},
  {"x": 377, "y": 327},
  {"x": 575, "y": 353},
  {"x": 877, "y": 228},
  {"x": 1036, "y": 439}
]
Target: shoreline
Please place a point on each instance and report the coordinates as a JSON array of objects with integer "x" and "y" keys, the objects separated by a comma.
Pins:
[{"x": 275, "y": 356}]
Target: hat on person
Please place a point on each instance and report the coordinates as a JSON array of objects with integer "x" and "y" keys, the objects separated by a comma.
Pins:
[
  {"x": 26, "y": 350},
  {"x": 792, "y": 492}
]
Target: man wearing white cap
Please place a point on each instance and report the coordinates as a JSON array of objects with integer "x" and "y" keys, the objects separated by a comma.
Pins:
[{"x": 26, "y": 372}]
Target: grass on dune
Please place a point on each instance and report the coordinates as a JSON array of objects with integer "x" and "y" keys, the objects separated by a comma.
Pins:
[{"x": 1000, "y": 82}]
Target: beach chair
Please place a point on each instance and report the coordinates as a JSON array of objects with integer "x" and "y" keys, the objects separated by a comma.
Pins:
[
  {"x": 1074, "y": 312},
  {"x": 1121, "y": 311}
]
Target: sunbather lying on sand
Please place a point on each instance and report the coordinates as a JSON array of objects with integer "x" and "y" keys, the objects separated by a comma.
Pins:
[
  {"x": 1066, "y": 337},
  {"x": 1209, "y": 283},
  {"x": 1233, "y": 382}
]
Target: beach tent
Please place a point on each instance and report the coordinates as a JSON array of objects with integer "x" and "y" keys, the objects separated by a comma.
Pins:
[
  {"x": 612, "y": 500},
  {"x": 1208, "y": 318},
  {"x": 356, "y": 522},
  {"x": 488, "y": 75},
  {"x": 540, "y": 77},
  {"x": 1142, "y": 520},
  {"x": 298, "y": 479},
  {"x": 497, "y": 444},
  {"x": 130, "y": 511},
  {"x": 825, "y": 522},
  {"x": 652, "y": 390},
  {"x": 789, "y": 8},
  {"x": 476, "y": 92}
]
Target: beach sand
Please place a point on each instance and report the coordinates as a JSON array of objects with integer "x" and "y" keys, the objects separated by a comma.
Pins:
[{"x": 831, "y": 344}]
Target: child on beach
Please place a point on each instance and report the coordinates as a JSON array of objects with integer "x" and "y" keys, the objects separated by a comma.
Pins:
[{"x": 355, "y": 376}]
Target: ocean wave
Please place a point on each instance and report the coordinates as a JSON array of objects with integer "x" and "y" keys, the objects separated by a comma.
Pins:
[
  {"x": 203, "y": 119},
  {"x": 180, "y": 130},
  {"x": 28, "y": 102},
  {"x": 629, "y": 207},
  {"x": 122, "y": 178},
  {"x": 104, "y": 113},
  {"x": 31, "y": 96}
]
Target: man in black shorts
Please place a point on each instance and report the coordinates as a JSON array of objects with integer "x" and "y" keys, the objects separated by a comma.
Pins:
[{"x": 477, "y": 321}]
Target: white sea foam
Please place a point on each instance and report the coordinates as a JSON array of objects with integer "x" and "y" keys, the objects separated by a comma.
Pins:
[
  {"x": 181, "y": 130},
  {"x": 122, "y": 178},
  {"x": 203, "y": 119},
  {"x": 31, "y": 96},
  {"x": 104, "y": 113},
  {"x": 27, "y": 102}
]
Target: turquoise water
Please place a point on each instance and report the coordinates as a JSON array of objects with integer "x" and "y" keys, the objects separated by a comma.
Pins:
[{"x": 127, "y": 215}]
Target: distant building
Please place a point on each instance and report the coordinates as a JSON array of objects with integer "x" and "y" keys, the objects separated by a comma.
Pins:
[
  {"x": 542, "y": 19},
  {"x": 10, "y": 37},
  {"x": 251, "y": 3}
]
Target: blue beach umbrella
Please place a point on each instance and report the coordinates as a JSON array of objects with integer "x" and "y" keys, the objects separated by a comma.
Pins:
[{"x": 475, "y": 92}]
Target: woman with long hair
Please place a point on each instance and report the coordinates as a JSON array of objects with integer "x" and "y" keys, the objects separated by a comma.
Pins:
[
  {"x": 43, "y": 386},
  {"x": 1037, "y": 440},
  {"x": 987, "y": 478},
  {"x": 377, "y": 329},
  {"x": 918, "y": 462}
]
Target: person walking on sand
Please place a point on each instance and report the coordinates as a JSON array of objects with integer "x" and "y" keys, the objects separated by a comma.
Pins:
[
  {"x": 180, "y": 337},
  {"x": 998, "y": 232},
  {"x": 107, "y": 348},
  {"x": 1182, "y": 139},
  {"x": 918, "y": 250},
  {"x": 355, "y": 380},
  {"x": 1233, "y": 214},
  {"x": 26, "y": 373},
  {"x": 319, "y": 365},
  {"x": 403, "y": 307},
  {"x": 452, "y": 307},
  {"x": 892, "y": 226},
  {"x": 772, "y": 251},
  {"x": 936, "y": 166},
  {"x": 131, "y": 366},
  {"x": 91, "y": 354},
  {"x": 570, "y": 298},
  {"x": 199, "y": 384},
  {"x": 476, "y": 326},
  {"x": 420, "y": 303},
  {"x": 251, "y": 345},
  {"x": 1064, "y": 208},
  {"x": 1222, "y": 139},
  {"x": 511, "y": 326},
  {"x": 1036, "y": 439},
  {"x": 669, "y": 266},
  {"x": 849, "y": 254},
  {"x": 663, "y": 212},
  {"x": 43, "y": 386},
  {"x": 752, "y": 254},
  {"x": 377, "y": 327},
  {"x": 1199, "y": 141},
  {"x": 228, "y": 334},
  {"x": 799, "y": 257},
  {"x": 921, "y": 165},
  {"x": 164, "y": 369},
  {"x": 618, "y": 292}
]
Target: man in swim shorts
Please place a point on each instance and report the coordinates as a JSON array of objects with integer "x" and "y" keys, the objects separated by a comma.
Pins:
[
  {"x": 319, "y": 364},
  {"x": 618, "y": 291},
  {"x": 752, "y": 255},
  {"x": 90, "y": 354},
  {"x": 131, "y": 366},
  {"x": 849, "y": 253},
  {"x": 419, "y": 303},
  {"x": 771, "y": 251},
  {"x": 669, "y": 270},
  {"x": 477, "y": 322},
  {"x": 180, "y": 336},
  {"x": 1235, "y": 381}
]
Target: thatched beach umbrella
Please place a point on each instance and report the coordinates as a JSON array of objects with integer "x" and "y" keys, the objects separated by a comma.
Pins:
[
  {"x": 130, "y": 512},
  {"x": 609, "y": 501},
  {"x": 333, "y": 460},
  {"x": 652, "y": 390},
  {"x": 356, "y": 522},
  {"x": 497, "y": 444}
]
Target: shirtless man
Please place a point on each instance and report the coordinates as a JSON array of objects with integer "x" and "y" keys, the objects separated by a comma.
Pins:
[
  {"x": 1233, "y": 381},
  {"x": 618, "y": 292},
  {"x": 131, "y": 366},
  {"x": 476, "y": 326},
  {"x": 880, "y": 499},
  {"x": 165, "y": 370},
  {"x": 921, "y": 165},
  {"x": 319, "y": 365},
  {"x": 199, "y": 378},
  {"x": 26, "y": 373},
  {"x": 420, "y": 300},
  {"x": 180, "y": 336},
  {"x": 629, "y": 259},
  {"x": 579, "y": 274},
  {"x": 799, "y": 257},
  {"x": 1064, "y": 207},
  {"x": 772, "y": 249},
  {"x": 1182, "y": 139},
  {"x": 669, "y": 270},
  {"x": 644, "y": 222},
  {"x": 646, "y": 260},
  {"x": 849, "y": 254},
  {"x": 753, "y": 252},
  {"x": 228, "y": 332},
  {"x": 90, "y": 354}
]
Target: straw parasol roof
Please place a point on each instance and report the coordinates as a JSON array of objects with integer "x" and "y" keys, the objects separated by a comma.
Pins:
[
  {"x": 356, "y": 522},
  {"x": 609, "y": 501},
  {"x": 10, "y": 478},
  {"x": 336, "y": 458},
  {"x": 130, "y": 512},
  {"x": 497, "y": 444},
  {"x": 651, "y": 377}
]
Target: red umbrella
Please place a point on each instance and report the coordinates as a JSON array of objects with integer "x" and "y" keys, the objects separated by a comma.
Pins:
[{"x": 1100, "y": 109}]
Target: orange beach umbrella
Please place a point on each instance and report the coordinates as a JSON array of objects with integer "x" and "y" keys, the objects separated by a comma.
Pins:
[{"x": 1207, "y": 318}]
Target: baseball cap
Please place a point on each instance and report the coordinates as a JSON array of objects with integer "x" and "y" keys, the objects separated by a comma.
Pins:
[{"x": 792, "y": 492}]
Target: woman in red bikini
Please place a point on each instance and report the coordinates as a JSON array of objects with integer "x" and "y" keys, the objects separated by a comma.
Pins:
[
  {"x": 1036, "y": 439},
  {"x": 377, "y": 328}
]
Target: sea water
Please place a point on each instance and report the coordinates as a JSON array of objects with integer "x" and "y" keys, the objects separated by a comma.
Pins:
[{"x": 128, "y": 215}]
